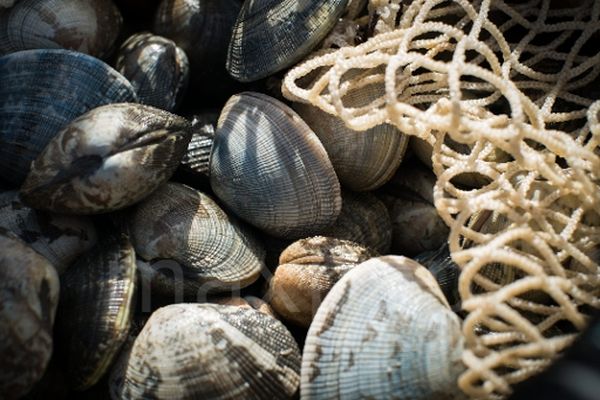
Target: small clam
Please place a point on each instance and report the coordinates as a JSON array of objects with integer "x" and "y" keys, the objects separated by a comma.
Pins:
[
  {"x": 28, "y": 298},
  {"x": 197, "y": 157},
  {"x": 59, "y": 238},
  {"x": 107, "y": 159},
  {"x": 364, "y": 219},
  {"x": 157, "y": 69},
  {"x": 271, "y": 170},
  {"x": 90, "y": 27},
  {"x": 216, "y": 253},
  {"x": 94, "y": 311},
  {"x": 308, "y": 270},
  {"x": 197, "y": 351},
  {"x": 41, "y": 92},
  {"x": 384, "y": 331},
  {"x": 289, "y": 29}
]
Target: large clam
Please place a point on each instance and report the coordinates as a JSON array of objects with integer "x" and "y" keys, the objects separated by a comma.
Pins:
[
  {"x": 211, "y": 351},
  {"x": 270, "y": 169},
  {"x": 384, "y": 331},
  {"x": 90, "y": 27},
  {"x": 29, "y": 289},
  {"x": 41, "y": 92},
  {"x": 107, "y": 159}
]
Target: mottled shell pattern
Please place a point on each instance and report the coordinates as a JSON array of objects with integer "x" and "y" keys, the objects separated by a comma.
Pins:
[
  {"x": 384, "y": 331},
  {"x": 271, "y": 170},
  {"x": 29, "y": 288},
  {"x": 248, "y": 302},
  {"x": 229, "y": 352},
  {"x": 59, "y": 238},
  {"x": 289, "y": 29},
  {"x": 157, "y": 69},
  {"x": 215, "y": 251},
  {"x": 95, "y": 308},
  {"x": 308, "y": 270},
  {"x": 41, "y": 92},
  {"x": 89, "y": 27},
  {"x": 107, "y": 159}
]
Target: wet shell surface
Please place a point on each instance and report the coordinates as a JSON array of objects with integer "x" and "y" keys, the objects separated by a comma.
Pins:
[
  {"x": 107, "y": 159},
  {"x": 211, "y": 351},
  {"x": 59, "y": 238},
  {"x": 308, "y": 270},
  {"x": 157, "y": 69},
  {"x": 215, "y": 251},
  {"x": 364, "y": 219},
  {"x": 197, "y": 157},
  {"x": 41, "y": 92},
  {"x": 270, "y": 169},
  {"x": 94, "y": 313},
  {"x": 29, "y": 290},
  {"x": 290, "y": 29},
  {"x": 90, "y": 27},
  {"x": 383, "y": 331}
]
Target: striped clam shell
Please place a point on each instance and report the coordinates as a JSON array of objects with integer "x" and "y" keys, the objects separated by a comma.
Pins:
[
  {"x": 307, "y": 270},
  {"x": 29, "y": 290},
  {"x": 59, "y": 238},
  {"x": 216, "y": 253},
  {"x": 197, "y": 157},
  {"x": 107, "y": 159},
  {"x": 211, "y": 351},
  {"x": 90, "y": 27},
  {"x": 445, "y": 271},
  {"x": 270, "y": 169},
  {"x": 289, "y": 29},
  {"x": 383, "y": 331},
  {"x": 41, "y": 92},
  {"x": 94, "y": 312},
  {"x": 157, "y": 69}
]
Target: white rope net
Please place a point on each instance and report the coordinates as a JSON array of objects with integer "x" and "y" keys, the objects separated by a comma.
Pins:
[{"x": 505, "y": 91}]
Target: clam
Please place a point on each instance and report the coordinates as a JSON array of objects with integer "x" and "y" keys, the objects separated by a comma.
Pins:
[
  {"x": 59, "y": 238},
  {"x": 29, "y": 289},
  {"x": 94, "y": 312},
  {"x": 270, "y": 169},
  {"x": 384, "y": 331},
  {"x": 197, "y": 157},
  {"x": 157, "y": 69},
  {"x": 289, "y": 29},
  {"x": 445, "y": 271},
  {"x": 107, "y": 159},
  {"x": 214, "y": 251},
  {"x": 90, "y": 27},
  {"x": 41, "y": 92},
  {"x": 364, "y": 219},
  {"x": 308, "y": 270},
  {"x": 212, "y": 351},
  {"x": 248, "y": 302}
]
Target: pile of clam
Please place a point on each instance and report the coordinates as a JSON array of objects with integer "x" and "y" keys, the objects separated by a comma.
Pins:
[{"x": 171, "y": 229}]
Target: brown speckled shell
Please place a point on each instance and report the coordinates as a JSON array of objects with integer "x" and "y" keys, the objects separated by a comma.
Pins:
[
  {"x": 308, "y": 270},
  {"x": 107, "y": 159},
  {"x": 383, "y": 331},
  {"x": 90, "y": 27},
  {"x": 29, "y": 289},
  {"x": 188, "y": 351},
  {"x": 59, "y": 238}
]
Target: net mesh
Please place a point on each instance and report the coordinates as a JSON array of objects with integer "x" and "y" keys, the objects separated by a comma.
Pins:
[{"x": 504, "y": 92}]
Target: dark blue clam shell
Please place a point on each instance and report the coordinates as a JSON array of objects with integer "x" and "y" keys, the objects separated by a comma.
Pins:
[{"x": 43, "y": 90}]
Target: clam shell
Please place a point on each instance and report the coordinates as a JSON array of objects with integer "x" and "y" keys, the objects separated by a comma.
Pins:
[
  {"x": 289, "y": 29},
  {"x": 157, "y": 69},
  {"x": 383, "y": 331},
  {"x": 248, "y": 302},
  {"x": 215, "y": 251},
  {"x": 41, "y": 92},
  {"x": 211, "y": 351},
  {"x": 308, "y": 270},
  {"x": 445, "y": 271},
  {"x": 364, "y": 219},
  {"x": 29, "y": 289},
  {"x": 271, "y": 170},
  {"x": 197, "y": 157},
  {"x": 59, "y": 238},
  {"x": 94, "y": 313},
  {"x": 109, "y": 158},
  {"x": 90, "y": 27}
]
